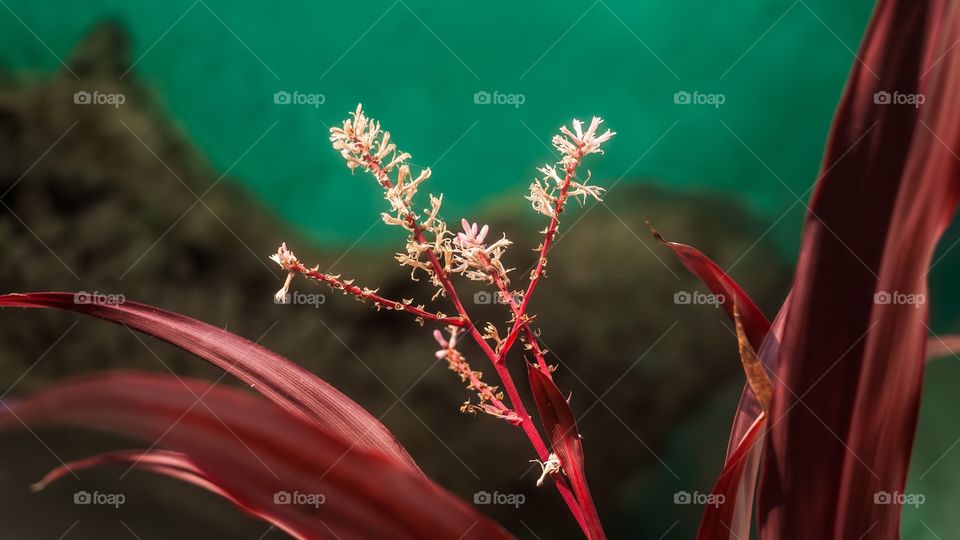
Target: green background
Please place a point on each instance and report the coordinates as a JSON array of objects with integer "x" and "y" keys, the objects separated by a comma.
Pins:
[{"x": 416, "y": 66}]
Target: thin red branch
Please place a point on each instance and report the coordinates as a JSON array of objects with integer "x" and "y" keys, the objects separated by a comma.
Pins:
[
  {"x": 490, "y": 399},
  {"x": 365, "y": 294},
  {"x": 521, "y": 321}
]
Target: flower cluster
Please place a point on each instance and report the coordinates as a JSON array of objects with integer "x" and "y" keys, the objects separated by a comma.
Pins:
[
  {"x": 548, "y": 193},
  {"x": 357, "y": 140},
  {"x": 363, "y": 144},
  {"x": 580, "y": 143}
]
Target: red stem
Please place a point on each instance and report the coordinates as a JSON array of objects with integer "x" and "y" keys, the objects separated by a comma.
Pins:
[{"x": 506, "y": 379}]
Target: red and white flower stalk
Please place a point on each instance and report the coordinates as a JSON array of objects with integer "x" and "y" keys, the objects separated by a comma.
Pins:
[{"x": 439, "y": 253}]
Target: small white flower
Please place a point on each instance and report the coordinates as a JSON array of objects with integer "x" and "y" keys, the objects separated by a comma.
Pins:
[
  {"x": 550, "y": 466},
  {"x": 542, "y": 198},
  {"x": 287, "y": 260},
  {"x": 432, "y": 221},
  {"x": 581, "y": 191},
  {"x": 284, "y": 257},
  {"x": 549, "y": 172},
  {"x": 281, "y": 296},
  {"x": 578, "y": 143}
]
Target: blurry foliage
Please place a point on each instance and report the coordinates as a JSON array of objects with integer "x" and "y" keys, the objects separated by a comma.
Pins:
[{"x": 116, "y": 201}]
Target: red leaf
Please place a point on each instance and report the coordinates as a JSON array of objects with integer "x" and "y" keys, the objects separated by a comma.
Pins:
[
  {"x": 282, "y": 381},
  {"x": 561, "y": 428},
  {"x": 755, "y": 323},
  {"x": 738, "y": 479},
  {"x": 850, "y": 372},
  {"x": 729, "y": 516},
  {"x": 271, "y": 463}
]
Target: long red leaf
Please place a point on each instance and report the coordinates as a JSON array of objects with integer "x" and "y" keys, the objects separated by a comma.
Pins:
[
  {"x": 282, "y": 381},
  {"x": 270, "y": 462},
  {"x": 561, "y": 428},
  {"x": 755, "y": 323},
  {"x": 844, "y": 417}
]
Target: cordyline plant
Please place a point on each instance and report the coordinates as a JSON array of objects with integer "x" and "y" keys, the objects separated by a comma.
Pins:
[
  {"x": 319, "y": 441},
  {"x": 821, "y": 438}
]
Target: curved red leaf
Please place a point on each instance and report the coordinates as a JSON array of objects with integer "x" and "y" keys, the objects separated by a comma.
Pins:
[
  {"x": 755, "y": 323},
  {"x": 737, "y": 481},
  {"x": 282, "y": 381},
  {"x": 270, "y": 462},
  {"x": 173, "y": 464},
  {"x": 561, "y": 428}
]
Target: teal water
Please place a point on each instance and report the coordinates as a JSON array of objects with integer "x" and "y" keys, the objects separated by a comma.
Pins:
[{"x": 416, "y": 65}]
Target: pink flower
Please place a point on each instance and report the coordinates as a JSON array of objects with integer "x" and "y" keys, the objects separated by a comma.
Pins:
[
  {"x": 470, "y": 235},
  {"x": 446, "y": 346}
]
